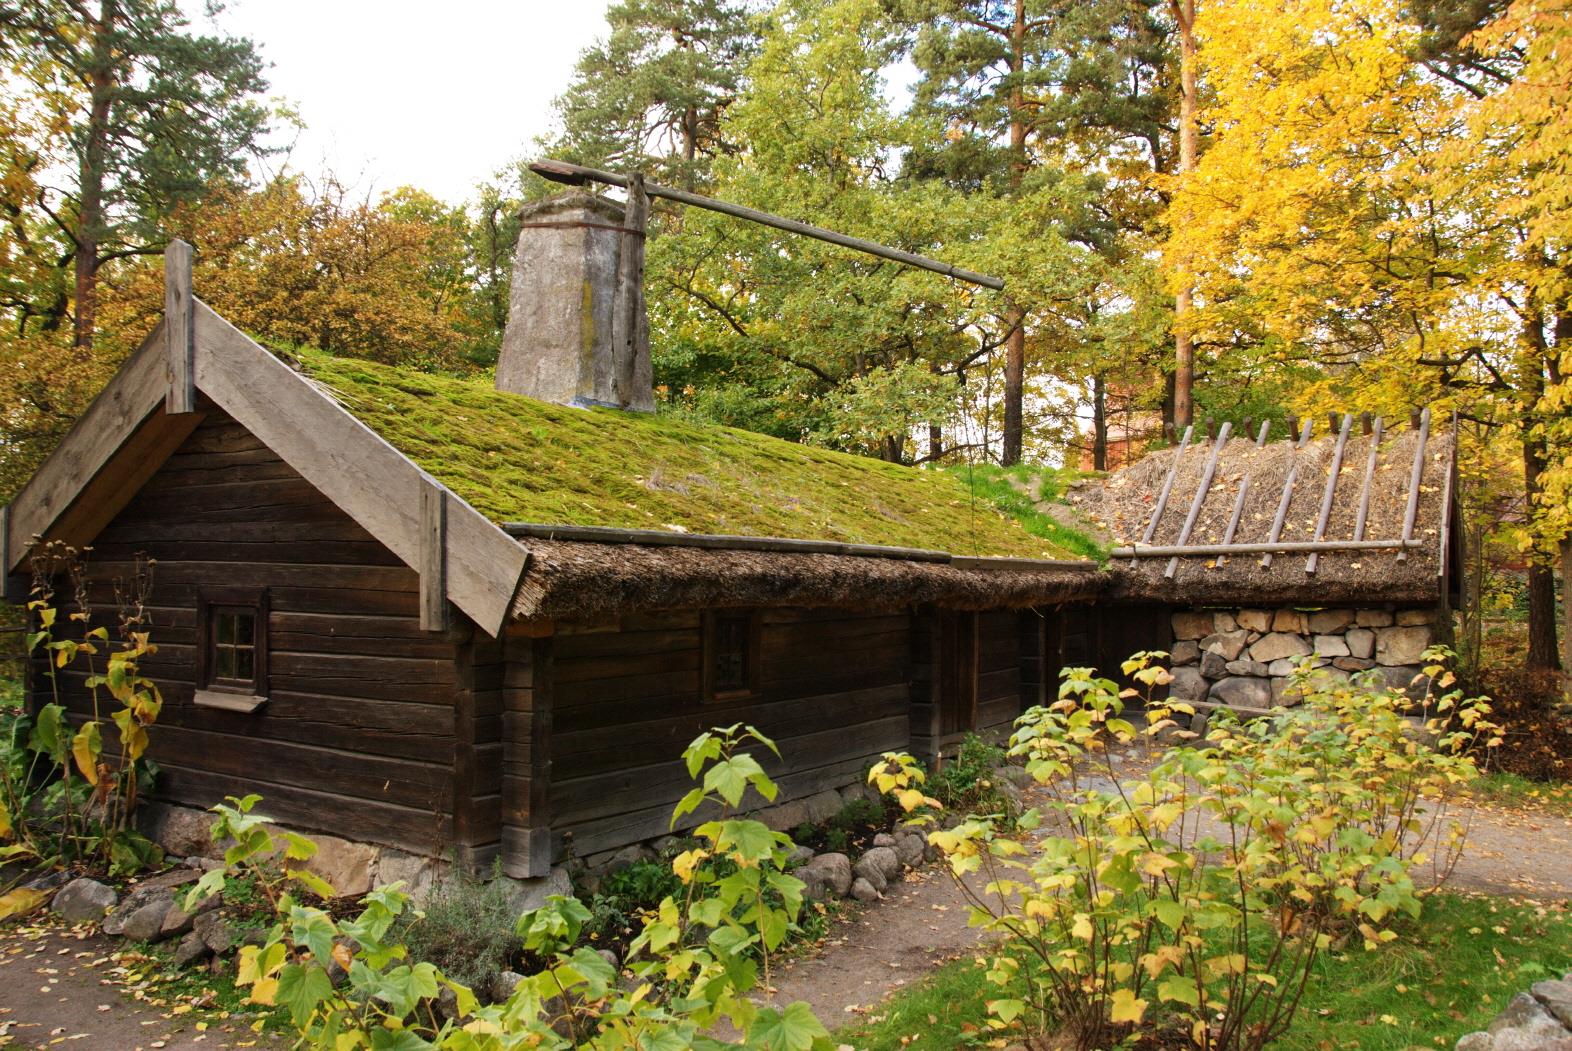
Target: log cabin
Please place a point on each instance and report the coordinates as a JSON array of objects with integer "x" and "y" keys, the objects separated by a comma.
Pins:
[{"x": 481, "y": 617}]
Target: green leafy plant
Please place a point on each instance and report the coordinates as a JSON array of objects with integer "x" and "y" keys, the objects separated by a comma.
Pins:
[
  {"x": 965, "y": 781},
  {"x": 1199, "y": 896},
  {"x": 465, "y": 927}
]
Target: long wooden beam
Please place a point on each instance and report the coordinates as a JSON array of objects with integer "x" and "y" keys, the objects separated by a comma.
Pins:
[
  {"x": 1363, "y": 514},
  {"x": 1330, "y": 493},
  {"x": 179, "y": 337},
  {"x": 1288, "y": 493},
  {"x": 1415, "y": 476},
  {"x": 1244, "y": 487},
  {"x": 1280, "y": 547},
  {"x": 1168, "y": 486},
  {"x": 577, "y": 175},
  {"x": 1200, "y": 496}
]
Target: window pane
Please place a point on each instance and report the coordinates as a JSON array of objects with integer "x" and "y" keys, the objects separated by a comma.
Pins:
[
  {"x": 729, "y": 658},
  {"x": 226, "y": 628},
  {"x": 245, "y": 625},
  {"x": 245, "y": 664},
  {"x": 224, "y": 662}
]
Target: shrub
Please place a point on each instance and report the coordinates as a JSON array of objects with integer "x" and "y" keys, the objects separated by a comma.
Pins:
[
  {"x": 965, "y": 783},
  {"x": 1200, "y": 895},
  {"x": 465, "y": 927}
]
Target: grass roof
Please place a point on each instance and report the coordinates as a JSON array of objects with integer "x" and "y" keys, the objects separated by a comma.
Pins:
[{"x": 516, "y": 459}]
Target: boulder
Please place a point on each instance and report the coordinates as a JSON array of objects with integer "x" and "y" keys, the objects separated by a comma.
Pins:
[
  {"x": 887, "y": 860},
  {"x": 1186, "y": 652},
  {"x": 145, "y": 923},
  {"x": 217, "y": 933},
  {"x": 1188, "y": 685},
  {"x": 1556, "y": 996},
  {"x": 347, "y": 866},
  {"x": 911, "y": 846},
  {"x": 884, "y": 839},
  {"x": 1286, "y": 693},
  {"x": 1223, "y": 621},
  {"x": 1288, "y": 620},
  {"x": 527, "y": 894},
  {"x": 1353, "y": 663},
  {"x": 1330, "y": 646},
  {"x": 823, "y": 805},
  {"x": 785, "y": 817},
  {"x": 179, "y": 830},
  {"x": 856, "y": 791},
  {"x": 1213, "y": 665},
  {"x": 1327, "y": 621},
  {"x": 1228, "y": 644},
  {"x": 1278, "y": 645},
  {"x": 191, "y": 949},
  {"x": 833, "y": 870},
  {"x": 1242, "y": 692},
  {"x": 865, "y": 892},
  {"x": 1361, "y": 642},
  {"x": 1255, "y": 668},
  {"x": 1191, "y": 625},
  {"x": 155, "y": 899},
  {"x": 871, "y": 874},
  {"x": 1255, "y": 620},
  {"x": 1373, "y": 618},
  {"x": 418, "y": 874},
  {"x": 502, "y": 985},
  {"x": 1403, "y": 645},
  {"x": 82, "y": 900},
  {"x": 1282, "y": 666},
  {"x": 1476, "y": 1042},
  {"x": 1408, "y": 618}
]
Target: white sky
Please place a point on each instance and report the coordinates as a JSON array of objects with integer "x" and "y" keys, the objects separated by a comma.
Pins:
[{"x": 434, "y": 95}]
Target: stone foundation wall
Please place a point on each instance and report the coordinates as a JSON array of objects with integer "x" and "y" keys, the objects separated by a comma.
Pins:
[{"x": 1242, "y": 658}]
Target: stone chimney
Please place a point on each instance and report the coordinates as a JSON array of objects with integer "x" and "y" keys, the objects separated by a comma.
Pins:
[{"x": 577, "y": 332}]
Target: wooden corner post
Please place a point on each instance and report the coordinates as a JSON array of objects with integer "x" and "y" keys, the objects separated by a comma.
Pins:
[
  {"x": 179, "y": 328},
  {"x": 433, "y": 557}
]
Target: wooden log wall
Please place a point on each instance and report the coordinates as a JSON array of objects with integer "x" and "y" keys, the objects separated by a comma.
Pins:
[
  {"x": 626, "y": 700},
  {"x": 998, "y": 671},
  {"x": 366, "y": 713}
]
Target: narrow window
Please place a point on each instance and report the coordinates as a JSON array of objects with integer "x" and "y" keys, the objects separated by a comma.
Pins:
[
  {"x": 232, "y": 649},
  {"x": 731, "y": 655}
]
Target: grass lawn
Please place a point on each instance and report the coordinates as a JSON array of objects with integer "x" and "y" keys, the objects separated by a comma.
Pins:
[
  {"x": 1449, "y": 974},
  {"x": 1500, "y": 788}
]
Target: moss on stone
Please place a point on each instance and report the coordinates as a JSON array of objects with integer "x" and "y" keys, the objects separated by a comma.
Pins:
[{"x": 516, "y": 459}]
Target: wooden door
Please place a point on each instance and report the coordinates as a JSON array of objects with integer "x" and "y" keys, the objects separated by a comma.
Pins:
[{"x": 957, "y": 674}]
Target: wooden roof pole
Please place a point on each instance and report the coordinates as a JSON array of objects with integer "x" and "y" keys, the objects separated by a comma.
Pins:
[
  {"x": 1200, "y": 496},
  {"x": 1288, "y": 493},
  {"x": 1331, "y": 491},
  {"x": 578, "y": 175},
  {"x": 1168, "y": 486},
  {"x": 179, "y": 329},
  {"x": 1415, "y": 476},
  {"x": 1370, "y": 466},
  {"x": 1244, "y": 487},
  {"x": 1280, "y": 546}
]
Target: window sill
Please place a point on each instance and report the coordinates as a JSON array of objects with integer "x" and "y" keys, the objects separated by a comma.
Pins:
[{"x": 244, "y": 703}]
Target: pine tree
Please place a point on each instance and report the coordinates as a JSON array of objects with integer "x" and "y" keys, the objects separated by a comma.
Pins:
[{"x": 154, "y": 116}]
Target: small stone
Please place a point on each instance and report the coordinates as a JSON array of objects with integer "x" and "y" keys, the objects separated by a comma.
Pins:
[
  {"x": 1192, "y": 625},
  {"x": 1188, "y": 685},
  {"x": 82, "y": 900},
  {"x": 865, "y": 892},
  {"x": 1290, "y": 620},
  {"x": 1361, "y": 642},
  {"x": 191, "y": 949},
  {"x": 1255, "y": 620},
  {"x": 146, "y": 922},
  {"x": 911, "y": 846},
  {"x": 1330, "y": 646},
  {"x": 1213, "y": 665},
  {"x": 610, "y": 958},
  {"x": 1186, "y": 652},
  {"x": 176, "y": 921},
  {"x": 1223, "y": 621},
  {"x": 832, "y": 869},
  {"x": 1353, "y": 663},
  {"x": 1240, "y": 692},
  {"x": 217, "y": 933},
  {"x": 1282, "y": 666},
  {"x": 1199, "y": 724},
  {"x": 1327, "y": 621},
  {"x": 888, "y": 861},
  {"x": 799, "y": 857},
  {"x": 1228, "y": 644},
  {"x": 884, "y": 839},
  {"x": 180, "y": 830},
  {"x": 1373, "y": 618},
  {"x": 1278, "y": 645},
  {"x": 1255, "y": 668},
  {"x": 870, "y": 873},
  {"x": 502, "y": 985},
  {"x": 1403, "y": 645},
  {"x": 1408, "y": 618}
]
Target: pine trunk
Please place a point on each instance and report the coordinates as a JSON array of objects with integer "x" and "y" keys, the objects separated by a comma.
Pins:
[
  {"x": 1015, "y": 317},
  {"x": 90, "y": 208},
  {"x": 1184, "y": 345},
  {"x": 1099, "y": 423}
]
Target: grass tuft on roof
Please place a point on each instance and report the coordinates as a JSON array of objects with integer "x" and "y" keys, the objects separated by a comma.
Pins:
[{"x": 516, "y": 459}]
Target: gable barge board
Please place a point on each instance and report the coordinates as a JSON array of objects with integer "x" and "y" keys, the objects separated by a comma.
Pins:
[{"x": 371, "y": 481}]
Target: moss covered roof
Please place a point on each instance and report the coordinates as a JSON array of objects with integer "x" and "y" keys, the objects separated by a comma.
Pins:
[{"x": 516, "y": 459}]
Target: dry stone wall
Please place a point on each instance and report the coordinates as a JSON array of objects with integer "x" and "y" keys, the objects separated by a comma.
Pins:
[{"x": 1242, "y": 658}]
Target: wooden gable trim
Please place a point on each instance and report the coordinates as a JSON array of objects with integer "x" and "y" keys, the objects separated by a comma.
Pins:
[
  {"x": 353, "y": 466},
  {"x": 107, "y": 456}
]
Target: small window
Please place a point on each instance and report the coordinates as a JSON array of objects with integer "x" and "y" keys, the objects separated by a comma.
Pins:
[
  {"x": 731, "y": 655},
  {"x": 232, "y": 649}
]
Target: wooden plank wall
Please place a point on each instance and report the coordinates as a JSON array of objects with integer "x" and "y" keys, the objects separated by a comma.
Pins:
[
  {"x": 526, "y": 757},
  {"x": 1036, "y": 646},
  {"x": 833, "y": 696},
  {"x": 924, "y": 701},
  {"x": 358, "y": 735},
  {"x": 998, "y": 671}
]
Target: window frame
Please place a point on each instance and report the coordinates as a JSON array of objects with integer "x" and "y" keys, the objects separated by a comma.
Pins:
[
  {"x": 709, "y": 693},
  {"x": 231, "y": 695}
]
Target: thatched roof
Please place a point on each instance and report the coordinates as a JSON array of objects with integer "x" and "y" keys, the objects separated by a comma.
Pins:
[
  {"x": 1124, "y": 503},
  {"x": 584, "y": 578}
]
